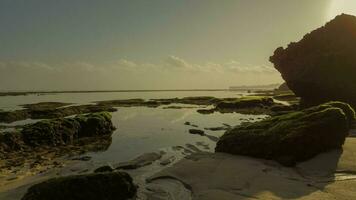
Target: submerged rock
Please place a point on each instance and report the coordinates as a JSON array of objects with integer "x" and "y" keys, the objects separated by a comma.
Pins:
[
  {"x": 292, "y": 137},
  {"x": 322, "y": 66},
  {"x": 140, "y": 161},
  {"x": 109, "y": 186}
]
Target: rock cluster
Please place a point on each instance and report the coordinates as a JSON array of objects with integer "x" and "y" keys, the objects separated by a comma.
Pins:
[
  {"x": 57, "y": 132},
  {"x": 322, "y": 66},
  {"x": 292, "y": 137}
]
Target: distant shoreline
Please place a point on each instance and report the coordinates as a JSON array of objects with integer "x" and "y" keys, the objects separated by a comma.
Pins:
[
  {"x": 13, "y": 93},
  {"x": 23, "y": 93}
]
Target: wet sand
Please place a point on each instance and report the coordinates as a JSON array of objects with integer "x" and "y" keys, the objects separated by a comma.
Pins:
[{"x": 210, "y": 176}]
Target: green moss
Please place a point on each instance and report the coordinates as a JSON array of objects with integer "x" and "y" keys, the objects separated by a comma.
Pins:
[
  {"x": 245, "y": 102},
  {"x": 292, "y": 137},
  {"x": 63, "y": 131}
]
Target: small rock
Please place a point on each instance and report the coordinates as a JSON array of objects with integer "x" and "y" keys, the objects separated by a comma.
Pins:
[
  {"x": 140, "y": 161},
  {"x": 167, "y": 161},
  {"x": 196, "y": 131},
  {"x": 105, "y": 168}
]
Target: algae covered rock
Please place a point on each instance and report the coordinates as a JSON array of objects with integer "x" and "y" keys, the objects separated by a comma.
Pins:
[
  {"x": 108, "y": 186},
  {"x": 63, "y": 131},
  {"x": 246, "y": 102},
  {"x": 292, "y": 137},
  {"x": 322, "y": 66},
  {"x": 10, "y": 141}
]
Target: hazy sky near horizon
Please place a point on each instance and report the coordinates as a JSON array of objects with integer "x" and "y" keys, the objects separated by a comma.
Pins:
[{"x": 156, "y": 44}]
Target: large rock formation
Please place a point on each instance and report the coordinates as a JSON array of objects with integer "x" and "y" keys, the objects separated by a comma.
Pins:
[
  {"x": 109, "y": 186},
  {"x": 292, "y": 137},
  {"x": 322, "y": 66}
]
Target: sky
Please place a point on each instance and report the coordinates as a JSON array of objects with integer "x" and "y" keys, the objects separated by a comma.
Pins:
[{"x": 156, "y": 44}]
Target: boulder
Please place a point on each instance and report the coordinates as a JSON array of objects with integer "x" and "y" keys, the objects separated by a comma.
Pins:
[
  {"x": 292, "y": 137},
  {"x": 322, "y": 66},
  {"x": 108, "y": 186},
  {"x": 57, "y": 132}
]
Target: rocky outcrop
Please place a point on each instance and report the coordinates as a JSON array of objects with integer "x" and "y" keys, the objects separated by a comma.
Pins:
[
  {"x": 54, "y": 138},
  {"x": 292, "y": 137},
  {"x": 109, "y": 186},
  {"x": 322, "y": 66},
  {"x": 245, "y": 102},
  {"x": 64, "y": 131},
  {"x": 245, "y": 105}
]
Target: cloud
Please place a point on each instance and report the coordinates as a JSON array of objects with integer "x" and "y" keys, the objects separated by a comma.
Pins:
[
  {"x": 171, "y": 72},
  {"x": 227, "y": 67},
  {"x": 236, "y": 67},
  {"x": 176, "y": 62},
  {"x": 172, "y": 62},
  {"x": 14, "y": 65},
  {"x": 126, "y": 63}
]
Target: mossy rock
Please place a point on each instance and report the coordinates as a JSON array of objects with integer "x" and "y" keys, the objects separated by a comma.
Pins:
[
  {"x": 64, "y": 131},
  {"x": 108, "y": 186},
  {"x": 292, "y": 137},
  {"x": 246, "y": 102},
  {"x": 10, "y": 141}
]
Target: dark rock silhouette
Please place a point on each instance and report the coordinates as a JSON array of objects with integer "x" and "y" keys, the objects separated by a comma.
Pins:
[
  {"x": 283, "y": 87},
  {"x": 322, "y": 66},
  {"x": 292, "y": 137},
  {"x": 196, "y": 131},
  {"x": 110, "y": 185}
]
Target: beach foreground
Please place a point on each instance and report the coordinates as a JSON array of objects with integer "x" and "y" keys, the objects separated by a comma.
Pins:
[{"x": 208, "y": 176}]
